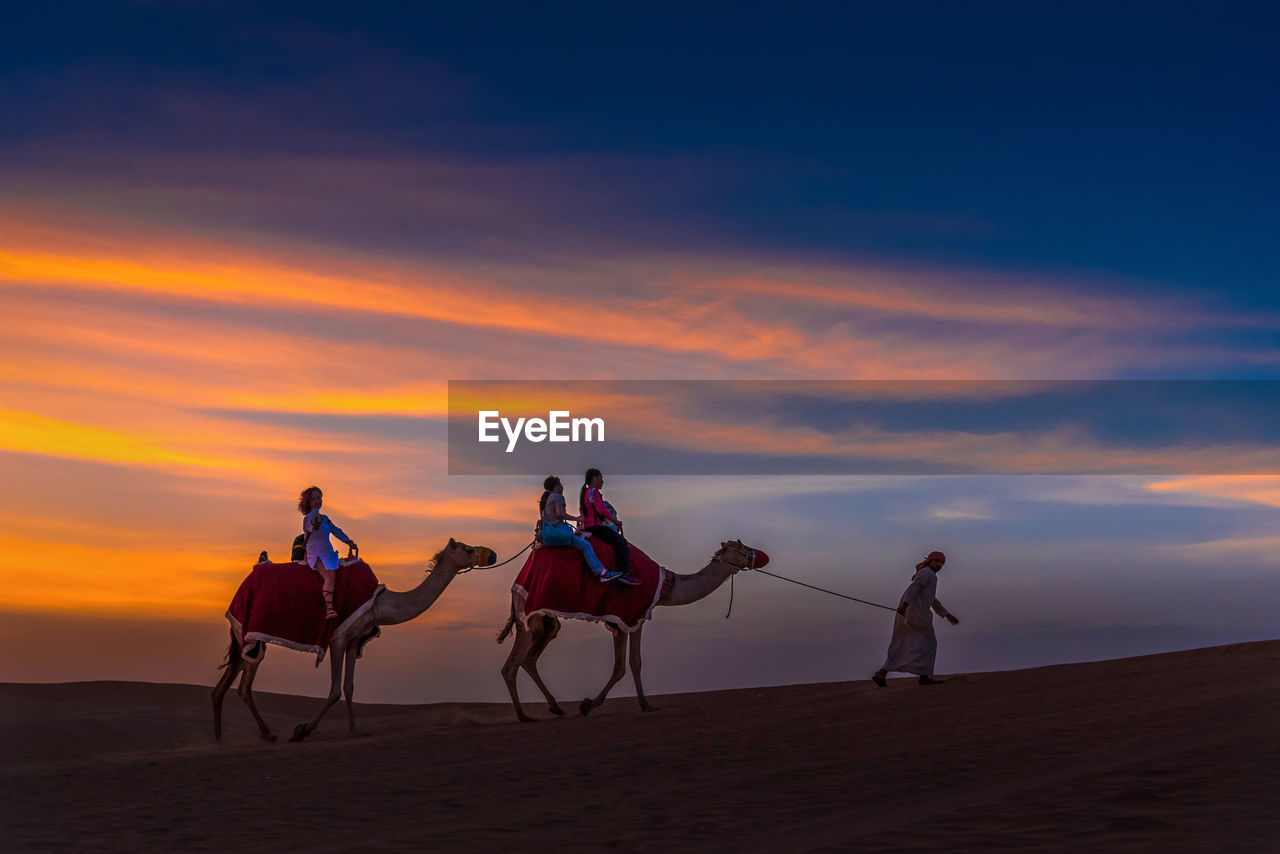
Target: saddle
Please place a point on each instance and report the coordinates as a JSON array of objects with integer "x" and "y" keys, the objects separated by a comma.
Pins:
[
  {"x": 555, "y": 581},
  {"x": 281, "y": 603}
]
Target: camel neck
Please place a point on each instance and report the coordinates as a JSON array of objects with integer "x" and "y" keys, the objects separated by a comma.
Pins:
[
  {"x": 704, "y": 582},
  {"x": 394, "y": 607}
]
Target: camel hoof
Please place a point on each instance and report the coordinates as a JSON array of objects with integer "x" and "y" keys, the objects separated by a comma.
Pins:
[
  {"x": 269, "y": 736},
  {"x": 555, "y": 710},
  {"x": 650, "y": 709},
  {"x": 585, "y": 707},
  {"x": 525, "y": 719},
  {"x": 300, "y": 732},
  {"x": 359, "y": 733}
]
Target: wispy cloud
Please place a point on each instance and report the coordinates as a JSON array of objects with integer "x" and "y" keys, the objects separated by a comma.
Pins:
[
  {"x": 154, "y": 335},
  {"x": 1257, "y": 489}
]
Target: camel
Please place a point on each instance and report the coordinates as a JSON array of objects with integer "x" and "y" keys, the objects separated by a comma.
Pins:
[
  {"x": 532, "y": 641},
  {"x": 389, "y": 608}
]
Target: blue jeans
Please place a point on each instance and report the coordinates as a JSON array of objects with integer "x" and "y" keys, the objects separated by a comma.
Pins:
[{"x": 563, "y": 535}]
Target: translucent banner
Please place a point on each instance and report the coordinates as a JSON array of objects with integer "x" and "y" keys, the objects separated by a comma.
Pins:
[{"x": 699, "y": 427}]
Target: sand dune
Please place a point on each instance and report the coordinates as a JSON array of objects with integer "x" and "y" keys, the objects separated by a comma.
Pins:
[{"x": 1174, "y": 752}]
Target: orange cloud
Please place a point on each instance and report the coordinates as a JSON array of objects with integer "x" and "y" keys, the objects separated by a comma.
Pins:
[
  {"x": 117, "y": 581},
  {"x": 134, "y": 351},
  {"x": 401, "y": 292},
  {"x": 34, "y": 434},
  {"x": 724, "y": 323},
  {"x": 1255, "y": 488}
]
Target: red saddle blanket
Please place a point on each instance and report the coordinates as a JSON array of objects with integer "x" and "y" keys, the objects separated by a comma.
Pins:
[
  {"x": 282, "y": 603},
  {"x": 555, "y": 581}
]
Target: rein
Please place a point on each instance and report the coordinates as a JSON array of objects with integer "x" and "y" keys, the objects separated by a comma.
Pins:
[
  {"x": 751, "y": 564},
  {"x": 496, "y": 565},
  {"x": 829, "y": 592},
  {"x": 794, "y": 581}
]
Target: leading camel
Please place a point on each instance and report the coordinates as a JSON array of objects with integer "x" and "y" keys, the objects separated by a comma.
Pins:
[
  {"x": 531, "y": 641},
  {"x": 388, "y": 609}
]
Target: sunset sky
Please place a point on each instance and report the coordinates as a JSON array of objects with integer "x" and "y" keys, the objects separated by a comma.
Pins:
[{"x": 243, "y": 249}]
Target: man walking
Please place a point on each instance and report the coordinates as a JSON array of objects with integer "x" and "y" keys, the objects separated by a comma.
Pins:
[{"x": 914, "y": 646}]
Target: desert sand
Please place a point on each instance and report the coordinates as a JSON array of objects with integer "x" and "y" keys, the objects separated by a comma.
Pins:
[{"x": 1173, "y": 752}]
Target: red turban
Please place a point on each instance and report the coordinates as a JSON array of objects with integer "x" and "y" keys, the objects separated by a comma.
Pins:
[{"x": 932, "y": 556}]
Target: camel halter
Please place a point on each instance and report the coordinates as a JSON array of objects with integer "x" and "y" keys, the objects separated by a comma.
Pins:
[{"x": 750, "y": 564}]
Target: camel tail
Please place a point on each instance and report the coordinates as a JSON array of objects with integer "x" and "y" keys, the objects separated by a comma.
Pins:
[
  {"x": 506, "y": 629},
  {"x": 233, "y": 655}
]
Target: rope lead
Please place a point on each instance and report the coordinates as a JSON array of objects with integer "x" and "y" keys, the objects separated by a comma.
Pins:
[
  {"x": 496, "y": 565},
  {"x": 810, "y": 586}
]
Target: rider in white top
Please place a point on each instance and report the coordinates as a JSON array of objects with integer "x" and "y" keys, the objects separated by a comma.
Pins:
[
  {"x": 320, "y": 553},
  {"x": 318, "y": 528}
]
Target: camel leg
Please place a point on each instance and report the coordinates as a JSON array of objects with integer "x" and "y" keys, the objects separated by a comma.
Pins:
[
  {"x": 219, "y": 691},
  {"x": 635, "y": 671},
  {"x": 246, "y": 694},
  {"x": 337, "y": 654},
  {"x": 245, "y": 668},
  {"x": 519, "y": 649},
  {"x": 551, "y": 628},
  {"x": 349, "y": 690},
  {"x": 619, "y": 670}
]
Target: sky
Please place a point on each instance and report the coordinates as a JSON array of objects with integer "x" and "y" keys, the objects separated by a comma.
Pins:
[{"x": 244, "y": 249}]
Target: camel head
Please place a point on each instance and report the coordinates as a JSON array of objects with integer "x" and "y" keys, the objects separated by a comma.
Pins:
[
  {"x": 740, "y": 556},
  {"x": 464, "y": 556}
]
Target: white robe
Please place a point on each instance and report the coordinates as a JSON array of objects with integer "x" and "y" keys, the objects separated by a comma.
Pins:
[
  {"x": 914, "y": 646},
  {"x": 319, "y": 548}
]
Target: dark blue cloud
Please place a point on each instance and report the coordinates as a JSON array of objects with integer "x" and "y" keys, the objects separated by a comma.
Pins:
[
  {"x": 1129, "y": 139},
  {"x": 1140, "y": 413}
]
